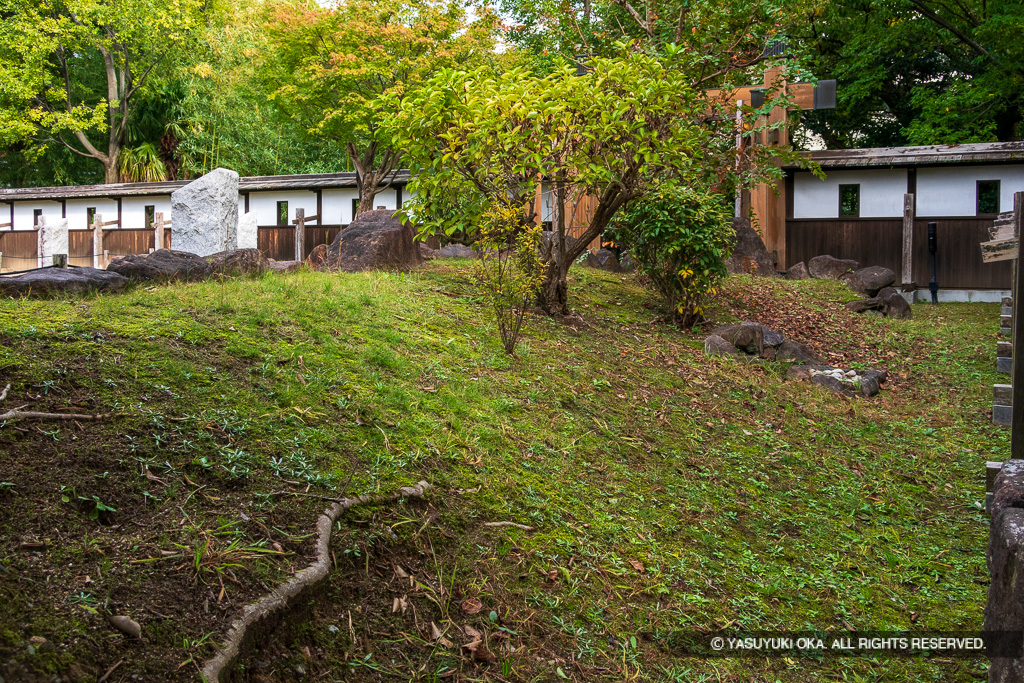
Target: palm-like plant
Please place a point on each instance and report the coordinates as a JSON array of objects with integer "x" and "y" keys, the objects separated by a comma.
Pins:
[{"x": 142, "y": 164}]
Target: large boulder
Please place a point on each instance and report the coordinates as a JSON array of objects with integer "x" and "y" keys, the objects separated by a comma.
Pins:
[
  {"x": 627, "y": 262},
  {"x": 747, "y": 338},
  {"x": 749, "y": 255},
  {"x": 798, "y": 272},
  {"x": 871, "y": 280},
  {"x": 239, "y": 262},
  {"x": 162, "y": 265},
  {"x": 374, "y": 240},
  {"x": 716, "y": 346},
  {"x": 795, "y": 352},
  {"x": 56, "y": 281},
  {"x": 604, "y": 259},
  {"x": 893, "y": 304},
  {"x": 830, "y": 268},
  {"x": 204, "y": 214},
  {"x": 456, "y": 251},
  {"x": 888, "y": 304},
  {"x": 284, "y": 266}
]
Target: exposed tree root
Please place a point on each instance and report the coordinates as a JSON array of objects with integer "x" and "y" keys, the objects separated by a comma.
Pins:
[
  {"x": 19, "y": 414},
  {"x": 518, "y": 526},
  {"x": 257, "y": 615}
]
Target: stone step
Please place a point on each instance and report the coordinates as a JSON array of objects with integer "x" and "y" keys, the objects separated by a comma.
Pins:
[
  {"x": 1004, "y": 365},
  {"x": 1002, "y": 415},
  {"x": 1007, "y": 310},
  {"x": 1008, "y": 301},
  {"x": 1002, "y": 394},
  {"x": 1004, "y": 349}
]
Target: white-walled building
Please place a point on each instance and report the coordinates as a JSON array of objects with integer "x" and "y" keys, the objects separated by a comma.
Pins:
[
  {"x": 332, "y": 196},
  {"x": 872, "y": 202}
]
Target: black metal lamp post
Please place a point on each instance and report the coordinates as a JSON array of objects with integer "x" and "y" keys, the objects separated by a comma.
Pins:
[{"x": 933, "y": 286}]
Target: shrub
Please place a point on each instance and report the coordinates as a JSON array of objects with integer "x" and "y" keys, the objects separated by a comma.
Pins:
[
  {"x": 510, "y": 270},
  {"x": 680, "y": 238}
]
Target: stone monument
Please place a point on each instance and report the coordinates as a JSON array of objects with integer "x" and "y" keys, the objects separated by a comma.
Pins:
[
  {"x": 247, "y": 231},
  {"x": 204, "y": 214}
]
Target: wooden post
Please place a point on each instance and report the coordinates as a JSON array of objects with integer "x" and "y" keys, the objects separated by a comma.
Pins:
[
  {"x": 158, "y": 230},
  {"x": 1017, "y": 424},
  {"x": 300, "y": 233},
  {"x": 908, "y": 241},
  {"x": 39, "y": 241},
  {"x": 97, "y": 241}
]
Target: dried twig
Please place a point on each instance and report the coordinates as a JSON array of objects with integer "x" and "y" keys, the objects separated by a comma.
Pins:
[
  {"x": 518, "y": 526},
  {"x": 3, "y": 394}
]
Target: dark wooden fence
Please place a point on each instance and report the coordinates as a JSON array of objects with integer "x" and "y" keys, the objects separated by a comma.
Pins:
[
  {"x": 278, "y": 241},
  {"x": 19, "y": 249},
  {"x": 879, "y": 242}
]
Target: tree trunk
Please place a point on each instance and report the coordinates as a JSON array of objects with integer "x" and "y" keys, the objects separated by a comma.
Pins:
[
  {"x": 367, "y": 192},
  {"x": 111, "y": 173},
  {"x": 553, "y": 296},
  {"x": 562, "y": 251}
]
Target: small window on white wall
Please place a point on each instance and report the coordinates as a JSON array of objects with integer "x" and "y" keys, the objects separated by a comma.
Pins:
[
  {"x": 849, "y": 200},
  {"x": 36, "y": 215},
  {"x": 150, "y": 215},
  {"x": 282, "y": 213},
  {"x": 988, "y": 197}
]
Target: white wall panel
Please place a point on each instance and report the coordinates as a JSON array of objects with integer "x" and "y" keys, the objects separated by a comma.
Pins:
[
  {"x": 133, "y": 210},
  {"x": 950, "y": 191},
  {"x": 264, "y": 204},
  {"x": 24, "y": 216},
  {"x": 77, "y": 210},
  {"x": 881, "y": 193}
]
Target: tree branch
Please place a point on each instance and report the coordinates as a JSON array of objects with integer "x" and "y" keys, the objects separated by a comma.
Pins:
[{"x": 941, "y": 21}]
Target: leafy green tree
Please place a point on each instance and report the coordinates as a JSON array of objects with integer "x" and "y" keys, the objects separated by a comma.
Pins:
[
  {"x": 224, "y": 115},
  {"x": 613, "y": 134},
  {"x": 341, "y": 67},
  {"x": 918, "y": 71},
  {"x": 73, "y": 71}
]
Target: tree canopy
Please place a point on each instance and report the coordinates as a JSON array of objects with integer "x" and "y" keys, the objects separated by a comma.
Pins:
[
  {"x": 918, "y": 71},
  {"x": 73, "y": 71},
  {"x": 341, "y": 67}
]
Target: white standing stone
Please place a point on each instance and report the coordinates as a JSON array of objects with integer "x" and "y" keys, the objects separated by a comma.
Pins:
[
  {"x": 204, "y": 214},
  {"x": 247, "y": 231},
  {"x": 53, "y": 239}
]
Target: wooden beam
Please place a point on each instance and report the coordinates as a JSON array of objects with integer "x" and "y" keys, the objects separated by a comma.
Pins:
[
  {"x": 801, "y": 93},
  {"x": 908, "y": 240},
  {"x": 300, "y": 233},
  {"x": 1017, "y": 421},
  {"x": 97, "y": 241},
  {"x": 999, "y": 250}
]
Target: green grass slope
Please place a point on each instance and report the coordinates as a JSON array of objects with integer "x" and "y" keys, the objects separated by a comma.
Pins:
[{"x": 669, "y": 493}]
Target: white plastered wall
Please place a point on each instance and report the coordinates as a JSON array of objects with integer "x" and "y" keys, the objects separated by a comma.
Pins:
[
  {"x": 77, "y": 211},
  {"x": 24, "y": 216},
  {"x": 133, "y": 210},
  {"x": 945, "y": 191},
  {"x": 337, "y": 206},
  {"x": 264, "y": 205},
  {"x": 881, "y": 193}
]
